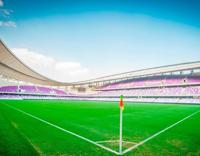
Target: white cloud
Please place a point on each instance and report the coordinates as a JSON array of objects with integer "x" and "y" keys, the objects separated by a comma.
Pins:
[
  {"x": 5, "y": 12},
  {"x": 67, "y": 65},
  {"x": 1, "y": 3},
  {"x": 7, "y": 24},
  {"x": 79, "y": 72},
  {"x": 66, "y": 71}
]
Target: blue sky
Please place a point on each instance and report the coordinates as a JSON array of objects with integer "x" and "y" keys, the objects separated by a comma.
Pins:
[{"x": 76, "y": 40}]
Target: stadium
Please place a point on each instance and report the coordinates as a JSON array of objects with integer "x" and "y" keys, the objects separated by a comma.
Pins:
[
  {"x": 178, "y": 83},
  {"x": 99, "y": 78},
  {"x": 43, "y": 116}
]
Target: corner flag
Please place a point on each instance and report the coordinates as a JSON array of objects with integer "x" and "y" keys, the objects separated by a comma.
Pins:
[
  {"x": 121, "y": 103},
  {"x": 121, "y": 106}
]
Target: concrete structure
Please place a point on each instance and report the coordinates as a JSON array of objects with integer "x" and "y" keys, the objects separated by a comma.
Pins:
[{"x": 12, "y": 68}]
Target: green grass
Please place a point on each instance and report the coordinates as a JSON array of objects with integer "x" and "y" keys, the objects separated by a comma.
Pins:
[{"x": 23, "y": 135}]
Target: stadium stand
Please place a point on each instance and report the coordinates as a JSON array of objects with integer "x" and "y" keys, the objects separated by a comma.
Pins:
[
  {"x": 179, "y": 83},
  {"x": 154, "y": 81},
  {"x": 31, "y": 90}
]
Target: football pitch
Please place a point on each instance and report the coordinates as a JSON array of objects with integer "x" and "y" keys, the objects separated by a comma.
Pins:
[{"x": 91, "y": 128}]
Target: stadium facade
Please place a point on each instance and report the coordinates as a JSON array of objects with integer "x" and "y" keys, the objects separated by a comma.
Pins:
[{"x": 178, "y": 83}]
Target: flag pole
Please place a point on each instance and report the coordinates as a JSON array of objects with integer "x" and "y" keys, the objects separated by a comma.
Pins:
[
  {"x": 121, "y": 106},
  {"x": 120, "y": 132}
]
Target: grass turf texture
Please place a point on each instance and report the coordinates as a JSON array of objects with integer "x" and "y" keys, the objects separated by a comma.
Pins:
[{"x": 22, "y": 135}]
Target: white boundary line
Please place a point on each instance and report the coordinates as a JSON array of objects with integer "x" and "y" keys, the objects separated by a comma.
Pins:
[
  {"x": 106, "y": 141},
  {"x": 156, "y": 134},
  {"x": 129, "y": 142},
  {"x": 115, "y": 141},
  {"x": 64, "y": 130}
]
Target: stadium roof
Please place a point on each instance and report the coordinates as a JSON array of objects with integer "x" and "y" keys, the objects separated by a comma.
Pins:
[
  {"x": 13, "y": 68},
  {"x": 190, "y": 66}
]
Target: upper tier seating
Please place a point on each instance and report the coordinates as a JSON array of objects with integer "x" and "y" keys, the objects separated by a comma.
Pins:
[
  {"x": 8, "y": 89},
  {"x": 31, "y": 90},
  {"x": 27, "y": 89},
  {"x": 165, "y": 91},
  {"x": 149, "y": 82},
  {"x": 44, "y": 90},
  {"x": 59, "y": 92}
]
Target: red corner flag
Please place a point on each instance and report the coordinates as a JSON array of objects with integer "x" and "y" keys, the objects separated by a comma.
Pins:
[{"x": 121, "y": 103}]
